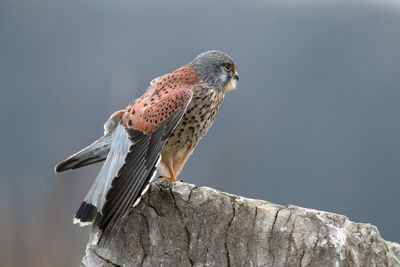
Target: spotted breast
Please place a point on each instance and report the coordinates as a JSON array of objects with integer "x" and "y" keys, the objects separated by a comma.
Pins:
[{"x": 195, "y": 123}]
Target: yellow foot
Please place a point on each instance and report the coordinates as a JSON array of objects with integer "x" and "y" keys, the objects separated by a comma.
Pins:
[{"x": 169, "y": 178}]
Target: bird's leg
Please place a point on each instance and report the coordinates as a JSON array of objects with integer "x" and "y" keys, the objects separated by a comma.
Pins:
[{"x": 172, "y": 176}]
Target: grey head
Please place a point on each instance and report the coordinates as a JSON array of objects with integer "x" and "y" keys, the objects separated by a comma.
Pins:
[{"x": 217, "y": 69}]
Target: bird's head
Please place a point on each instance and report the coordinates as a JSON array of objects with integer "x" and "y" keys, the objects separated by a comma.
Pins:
[{"x": 217, "y": 69}]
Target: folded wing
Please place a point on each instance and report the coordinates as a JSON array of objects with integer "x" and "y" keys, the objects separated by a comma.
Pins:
[{"x": 136, "y": 145}]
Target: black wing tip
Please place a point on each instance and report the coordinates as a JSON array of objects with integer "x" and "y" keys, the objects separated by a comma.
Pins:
[
  {"x": 86, "y": 214},
  {"x": 58, "y": 169},
  {"x": 75, "y": 163},
  {"x": 64, "y": 165}
]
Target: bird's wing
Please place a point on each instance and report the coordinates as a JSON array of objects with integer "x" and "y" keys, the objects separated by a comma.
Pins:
[
  {"x": 95, "y": 152},
  {"x": 135, "y": 151},
  {"x": 144, "y": 153}
]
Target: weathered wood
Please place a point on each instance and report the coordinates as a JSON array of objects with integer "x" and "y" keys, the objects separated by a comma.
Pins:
[{"x": 179, "y": 224}]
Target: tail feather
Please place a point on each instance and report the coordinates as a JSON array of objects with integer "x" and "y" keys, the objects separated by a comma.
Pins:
[
  {"x": 91, "y": 207},
  {"x": 93, "y": 153},
  {"x": 86, "y": 214}
]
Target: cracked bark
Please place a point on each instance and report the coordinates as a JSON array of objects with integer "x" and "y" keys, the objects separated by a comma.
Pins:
[{"x": 178, "y": 224}]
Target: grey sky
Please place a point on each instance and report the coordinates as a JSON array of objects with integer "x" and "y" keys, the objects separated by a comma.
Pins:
[{"x": 314, "y": 121}]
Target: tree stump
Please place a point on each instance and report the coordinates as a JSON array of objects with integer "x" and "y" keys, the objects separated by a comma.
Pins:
[{"x": 179, "y": 224}]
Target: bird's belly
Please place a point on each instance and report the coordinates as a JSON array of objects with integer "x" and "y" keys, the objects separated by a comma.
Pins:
[{"x": 195, "y": 123}]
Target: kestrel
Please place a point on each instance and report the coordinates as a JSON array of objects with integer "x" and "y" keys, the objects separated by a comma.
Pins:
[{"x": 158, "y": 130}]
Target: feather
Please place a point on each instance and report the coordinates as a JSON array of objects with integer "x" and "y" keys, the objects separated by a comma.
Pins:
[
  {"x": 93, "y": 153},
  {"x": 127, "y": 171},
  {"x": 135, "y": 150},
  {"x": 120, "y": 143},
  {"x": 137, "y": 172}
]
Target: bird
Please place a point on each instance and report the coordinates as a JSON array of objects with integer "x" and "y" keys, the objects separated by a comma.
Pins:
[{"x": 155, "y": 132}]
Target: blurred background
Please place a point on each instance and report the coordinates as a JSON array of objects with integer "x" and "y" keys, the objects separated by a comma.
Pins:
[{"x": 314, "y": 121}]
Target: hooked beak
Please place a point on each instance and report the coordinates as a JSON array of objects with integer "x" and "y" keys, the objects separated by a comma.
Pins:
[{"x": 236, "y": 76}]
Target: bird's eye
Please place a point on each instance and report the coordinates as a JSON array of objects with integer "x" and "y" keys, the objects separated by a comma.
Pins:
[{"x": 228, "y": 67}]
